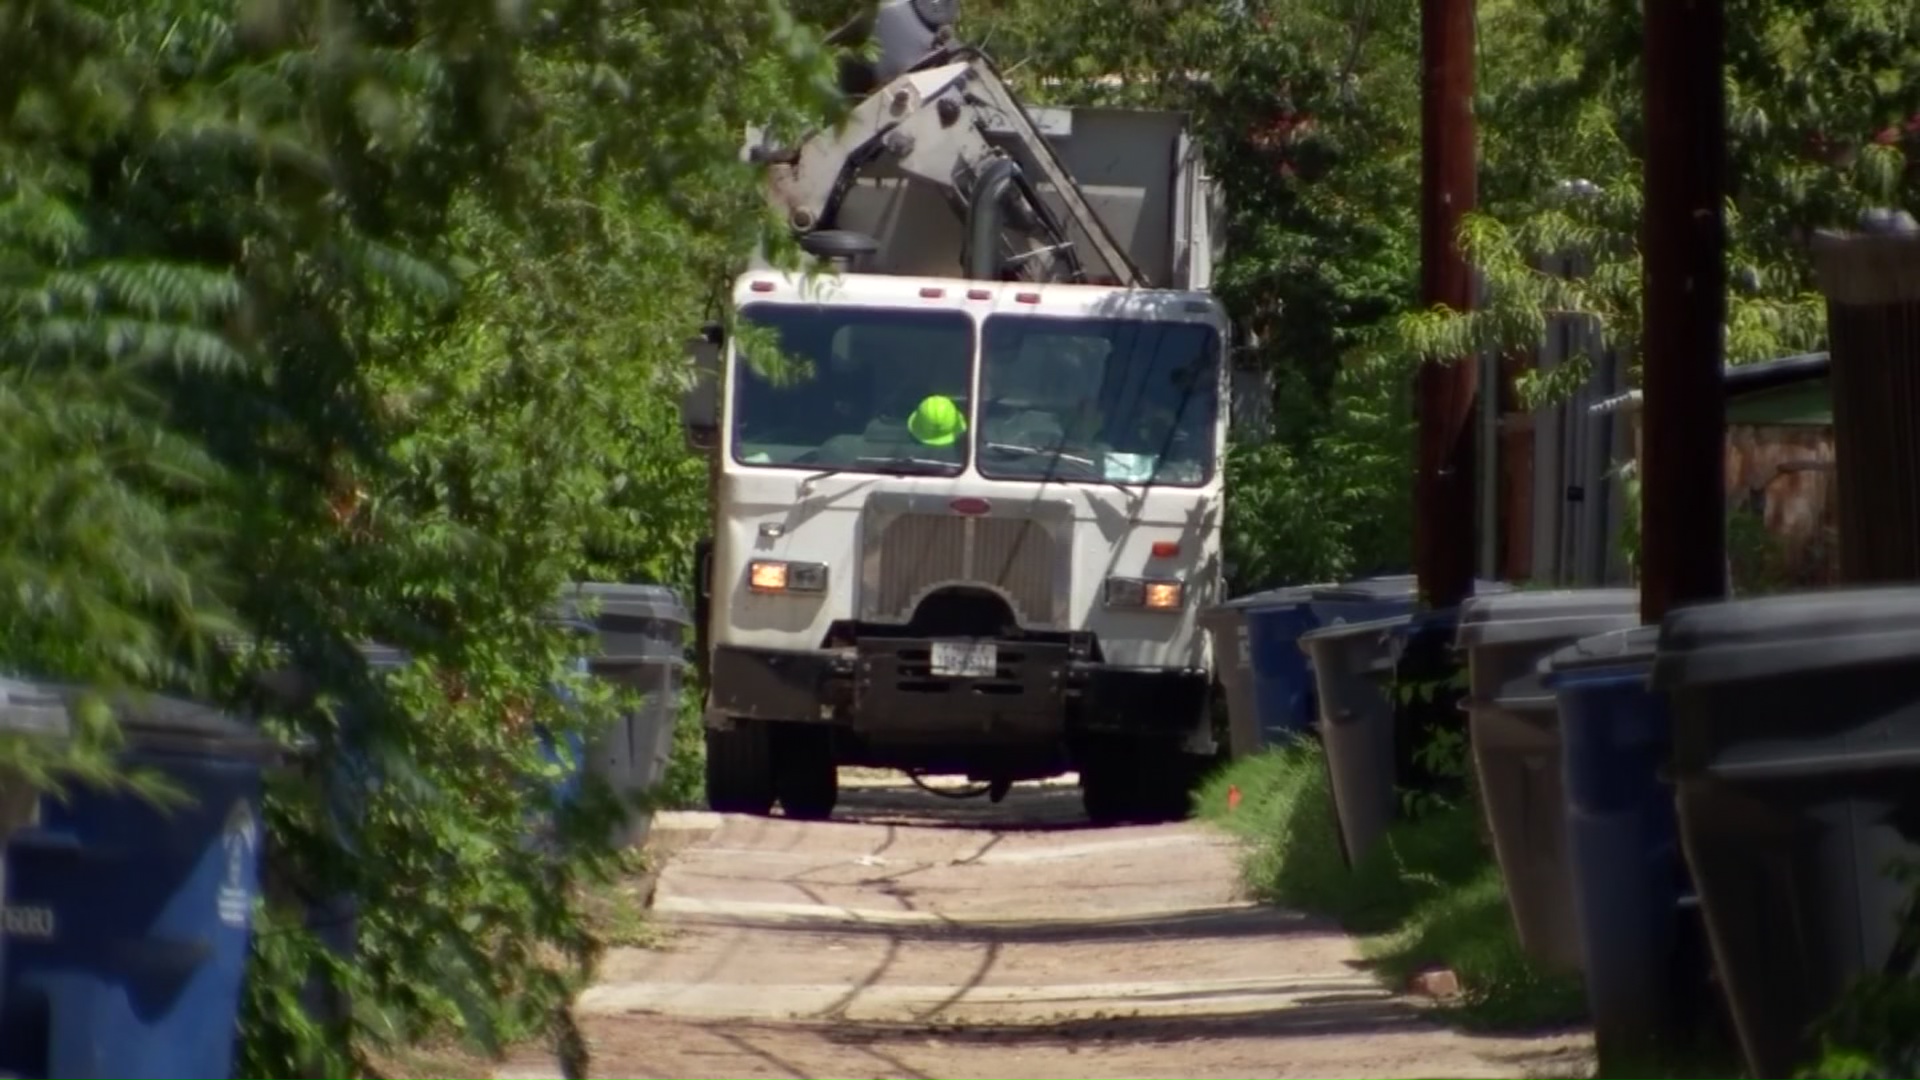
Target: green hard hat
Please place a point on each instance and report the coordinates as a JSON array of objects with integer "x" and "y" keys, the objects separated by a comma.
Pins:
[{"x": 937, "y": 421}]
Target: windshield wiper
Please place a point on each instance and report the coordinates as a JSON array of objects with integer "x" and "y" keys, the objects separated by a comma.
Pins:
[
  {"x": 907, "y": 465},
  {"x": 1099, "y": 475},
  {"x": 899, "y": 465},
  {"x": 1037, "y": 451}
]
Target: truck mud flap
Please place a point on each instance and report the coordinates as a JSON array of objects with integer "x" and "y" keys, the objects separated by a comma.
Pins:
[{"x": 898, "y": 697}]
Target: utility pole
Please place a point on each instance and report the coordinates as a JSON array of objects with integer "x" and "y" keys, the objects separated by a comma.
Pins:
[
  {"x": 1446, "y": 387},
  {"x": 1684, "y": 287}
]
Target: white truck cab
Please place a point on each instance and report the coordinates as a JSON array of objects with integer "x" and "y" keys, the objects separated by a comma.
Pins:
[{"x": 967, "y": 472}]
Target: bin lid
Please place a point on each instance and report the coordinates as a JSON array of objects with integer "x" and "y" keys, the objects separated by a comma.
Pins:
[
  {"x": 1369, "y": 590},
  {"x": 149, "y": 721},
  {"x": 33, "y": 708},
  {"x": 1373, "y": 645},
  {"x": 1516, "y": 618},
  {"x": 1384, "y": 630},
  {"x": 1286, "y": 594},
  {"x": 1773, "y": 636},
  {"x": 1614, "y": 648},
  {"x": 1376, "y": 590},
  {"x": 169, "y": 723},
  {"x": 293, "y": 685},
  {"x": 605, "y": 598},
  {"x": 385, "y": 657}
]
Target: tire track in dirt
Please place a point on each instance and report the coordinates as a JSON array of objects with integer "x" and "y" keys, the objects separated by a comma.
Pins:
[{"x": 917, "y": 937}]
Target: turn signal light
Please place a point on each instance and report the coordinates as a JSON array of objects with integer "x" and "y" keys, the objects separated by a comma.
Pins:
[
  {"x": 1163, "y": 594},
  {"x": 1144, "y": 593},
  {"x": 772, "y": 576}
]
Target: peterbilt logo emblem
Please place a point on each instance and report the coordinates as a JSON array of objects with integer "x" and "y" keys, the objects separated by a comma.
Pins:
[{"x": 970, "y": 507}]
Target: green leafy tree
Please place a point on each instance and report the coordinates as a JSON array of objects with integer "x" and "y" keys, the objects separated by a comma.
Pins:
[
  {"x": 1308, "y": 113},
  {"x": 342, "y": 321}
]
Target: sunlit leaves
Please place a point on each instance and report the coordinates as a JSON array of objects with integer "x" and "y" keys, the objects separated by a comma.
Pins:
[{"x": 348, "y": 321}]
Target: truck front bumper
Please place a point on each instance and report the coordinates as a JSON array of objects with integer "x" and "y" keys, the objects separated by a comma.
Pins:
[{"x": 884, "y": 688}]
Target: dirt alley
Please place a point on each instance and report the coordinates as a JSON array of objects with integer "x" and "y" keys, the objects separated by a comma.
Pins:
[{"x": 915, "y": 936}]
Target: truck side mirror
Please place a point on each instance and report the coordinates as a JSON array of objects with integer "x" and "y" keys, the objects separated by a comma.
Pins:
[{"x": 700, "y": 405}]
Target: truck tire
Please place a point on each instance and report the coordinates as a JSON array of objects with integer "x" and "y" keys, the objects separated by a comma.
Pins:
[
  {"x": 1103, "y": 793},
  {"x": 740, "y": 769},
  {"x": 804, "y": 774},
  {"x": 1138, "y": 784}
]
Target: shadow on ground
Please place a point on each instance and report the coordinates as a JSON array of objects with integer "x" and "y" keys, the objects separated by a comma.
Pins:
[
  {"x": 1027, "y": 808},
  {"x": 1320, "y": 1015},
  {"x": 1249, "y": 923}
]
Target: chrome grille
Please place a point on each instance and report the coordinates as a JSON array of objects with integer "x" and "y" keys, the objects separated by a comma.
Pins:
[{"x": 919, "y": 552}]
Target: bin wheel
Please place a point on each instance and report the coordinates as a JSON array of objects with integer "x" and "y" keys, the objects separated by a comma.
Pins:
[
  {"x": 740, "y": 769},
  {"x": 804, "y": 774}
]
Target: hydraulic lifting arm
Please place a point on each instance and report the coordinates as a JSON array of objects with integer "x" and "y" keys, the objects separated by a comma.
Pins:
[{"x": 950, "y": 121}]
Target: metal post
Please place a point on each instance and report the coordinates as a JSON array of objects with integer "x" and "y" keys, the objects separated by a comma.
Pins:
[
  {"x": 1683, "y": 491},
  {"x": 1446, "y": 386}
]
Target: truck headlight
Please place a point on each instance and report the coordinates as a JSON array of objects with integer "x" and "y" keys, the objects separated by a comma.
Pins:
[
  {"x": 1151, "y": 594},
  {"x": 775, "y": 576}
]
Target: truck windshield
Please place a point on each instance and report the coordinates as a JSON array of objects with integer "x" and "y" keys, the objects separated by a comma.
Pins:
[
  {"x": 1116, "y": 400},
  {"x": 856, "y": 390}
]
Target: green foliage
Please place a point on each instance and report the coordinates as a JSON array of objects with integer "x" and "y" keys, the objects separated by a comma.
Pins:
[
  {"x": 1335, "y": 503},
  {"x": 1819, "y": 105},
  {"x": 353, "y": 321},
  {"x": 1871, "y": 1033},
  {"x": 1429, "y": 896},
  {"x": 1758, "y": 557},
  {"x": 1310, "y": 124},
  {"x": 1308, "y": 115}
]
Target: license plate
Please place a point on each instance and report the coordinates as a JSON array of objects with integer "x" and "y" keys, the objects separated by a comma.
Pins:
[{"x": 965, "y": 659}]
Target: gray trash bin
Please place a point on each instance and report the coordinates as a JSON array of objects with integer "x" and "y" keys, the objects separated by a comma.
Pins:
[
  {"x": 642, "y": 631},
  {"x": 1796, "y": 759},
  {"x": 1513, "y": 728},
  {"x": 1352, "y": 667}
]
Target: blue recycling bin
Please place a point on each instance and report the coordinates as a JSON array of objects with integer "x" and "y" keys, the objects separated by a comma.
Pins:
[
  {"x": 570, "y": 753},
  {"x": 28, "y": 710},
  {"x": 129, "y": 923},
  {"x": 1283, "y": 688},
  {"x": 1641, "y": 938}
]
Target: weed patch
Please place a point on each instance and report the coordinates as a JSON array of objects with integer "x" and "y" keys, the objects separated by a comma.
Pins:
[{"x": 1430, "y": 896}]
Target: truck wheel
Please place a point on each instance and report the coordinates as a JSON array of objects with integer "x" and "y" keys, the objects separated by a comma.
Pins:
[
  {"x": 1165, "y": 787},
  {"x": 1135, "y": 784},
  {"x": 740, "y": 769},
  {"x": 1107, "y": 786},
  {"x": 1103, "y": 794},
  {"x": 804, "y": 773}
]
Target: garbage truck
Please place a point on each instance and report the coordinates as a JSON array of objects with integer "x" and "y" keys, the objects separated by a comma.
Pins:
[{"x": 966, "y": 464}]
